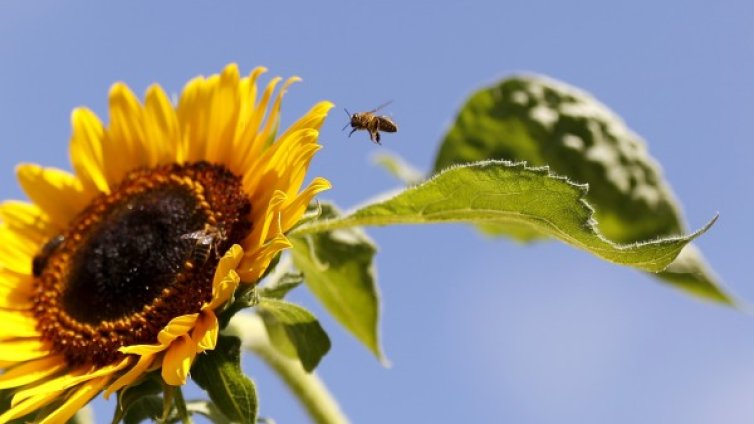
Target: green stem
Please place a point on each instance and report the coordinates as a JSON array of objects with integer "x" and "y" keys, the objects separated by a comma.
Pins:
[
  {"x": 180, "y": 406},
  {"x": 307, "y": 387},
  {"x": 173, "y": 397}
]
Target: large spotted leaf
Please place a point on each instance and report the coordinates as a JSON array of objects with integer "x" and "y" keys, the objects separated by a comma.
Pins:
[{"x": 546, "y": 122}]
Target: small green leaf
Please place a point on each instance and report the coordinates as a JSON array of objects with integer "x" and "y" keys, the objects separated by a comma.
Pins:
[
  {"x": 546, "y": 122},
  {"x": 131, "y": 398},
  {"x": 245, "y": 296},
  {"x": 146, "y": 408},
  {"x": 499, "y": 191},
  {"x": 294, "y": 331},
  {"x": 278, "y": 287},
  {"x": 338, "y": 268},
  {"x": 398, "y": 167},
  {"x": 209, "y": 410},
  {"x": 219, "y": 373}
]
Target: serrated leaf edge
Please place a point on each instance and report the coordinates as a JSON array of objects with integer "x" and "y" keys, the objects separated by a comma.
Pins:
[{"x": 591, "y": 222}]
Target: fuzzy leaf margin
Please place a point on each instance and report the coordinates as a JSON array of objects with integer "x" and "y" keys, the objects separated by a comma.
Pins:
[{"x": 505, "y": 192}]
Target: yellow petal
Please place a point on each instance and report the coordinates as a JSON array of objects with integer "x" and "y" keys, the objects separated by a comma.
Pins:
[
  {"x": 86, "y": 150},
  {"x": 264, "y": 219},
  {"x": 245, "y": 134},
  {"x": 72, "y": 378},
  {"x": 275, "y": 162},
  {"x": 177, "y": 327},
  {"x": 192, "y": 117},
  {"x": 76, "y": 401},
  {"x": 16, "y": 282},
  {"x": 228, "y": 262},
  {"x": 28, "y": 406},
  {"x": 313, "y": 119},
  {"x": 17, "y": 324},
  {"x": 28, "y": 219},
  {"x": 32, "y": 371},
  {"x": 126, "y": 146},
  {"x": 260, "y": 111},
  {"x": 206, "y": 331},
  {"x": 223, "y": 290},
  {"x": 57, "y": 193},
  {"x": 177, "y": 361},
  {"x": 16, "y": 253},
  {"x": 161, "y": 126},
  {"x": 295, "y": 210},
  {"x": 224, "y": 108},
  {"x": 15, "y": 300},
  {"x": 253, "y": 265},
  {"x": 142, "y": 349},
  {"x": 131, "y": 375}
]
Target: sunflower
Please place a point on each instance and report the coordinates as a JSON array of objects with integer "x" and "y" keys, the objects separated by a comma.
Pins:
[{"x": 121, "y": 268}]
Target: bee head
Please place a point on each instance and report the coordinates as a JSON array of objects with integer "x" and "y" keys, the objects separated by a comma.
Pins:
[{"x": 351, "y": 119}]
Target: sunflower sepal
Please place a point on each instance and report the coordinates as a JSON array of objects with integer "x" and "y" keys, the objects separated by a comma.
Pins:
[
  {"x": 140, "y": 400},
  {"x": 219, "y": 373},
  {"x": 279, "y": 287},
  {"x": 246, "y": 296}
]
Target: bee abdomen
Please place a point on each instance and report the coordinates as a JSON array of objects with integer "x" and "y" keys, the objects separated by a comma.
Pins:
[{"x": 386, "y": 124}]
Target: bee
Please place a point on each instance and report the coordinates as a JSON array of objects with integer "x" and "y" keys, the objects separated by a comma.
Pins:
[
  {"x": 39, "y": 262},
  {"x": 206, "y": 240},
  {"x": 371, "y": 122}
]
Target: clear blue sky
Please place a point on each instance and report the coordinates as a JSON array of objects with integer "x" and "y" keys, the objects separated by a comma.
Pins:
[{"x": 477, "y": 330}]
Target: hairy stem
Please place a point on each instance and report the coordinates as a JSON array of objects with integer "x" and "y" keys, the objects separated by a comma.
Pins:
[{"x": 307, "y": 387}]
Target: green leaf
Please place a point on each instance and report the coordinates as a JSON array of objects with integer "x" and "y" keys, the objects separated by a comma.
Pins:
[
  {"x": 278, "y": 286},
  {"x": 398, "y": 168},
  {"x": 146, "y": 408},
  {"x": 294, "y": 331},
  {"x": 690, "y": 272},
  {"x": 546, "y": 122},
  {"x": 338, "y": 268},
  {"x": 504, "y": 192},
  {"x": 137, "y": 403},
  {"x": 209, "y": 410},
  {"x": 219, "y": 373}
]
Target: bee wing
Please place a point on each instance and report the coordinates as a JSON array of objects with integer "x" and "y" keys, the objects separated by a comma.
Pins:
[
  {"x": 380, "y": 106},
  {"x": 195, "y": 235}
]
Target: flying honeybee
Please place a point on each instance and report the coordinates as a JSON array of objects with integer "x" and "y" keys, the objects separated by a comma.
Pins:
[
  {"x": 206, "y": 240},
  {"x": 371, "y": 122}
]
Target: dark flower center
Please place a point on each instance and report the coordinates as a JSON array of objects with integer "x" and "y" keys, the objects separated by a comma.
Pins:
[{"x": 137, "y": 258}]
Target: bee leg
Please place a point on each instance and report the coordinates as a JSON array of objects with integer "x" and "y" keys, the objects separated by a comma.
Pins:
[
  {"x": 375, "y": 136},
  {"x": 352, "y": 131}
]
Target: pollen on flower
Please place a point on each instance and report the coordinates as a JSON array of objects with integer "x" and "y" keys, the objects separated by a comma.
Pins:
[{"x": 124, "y": 268}]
